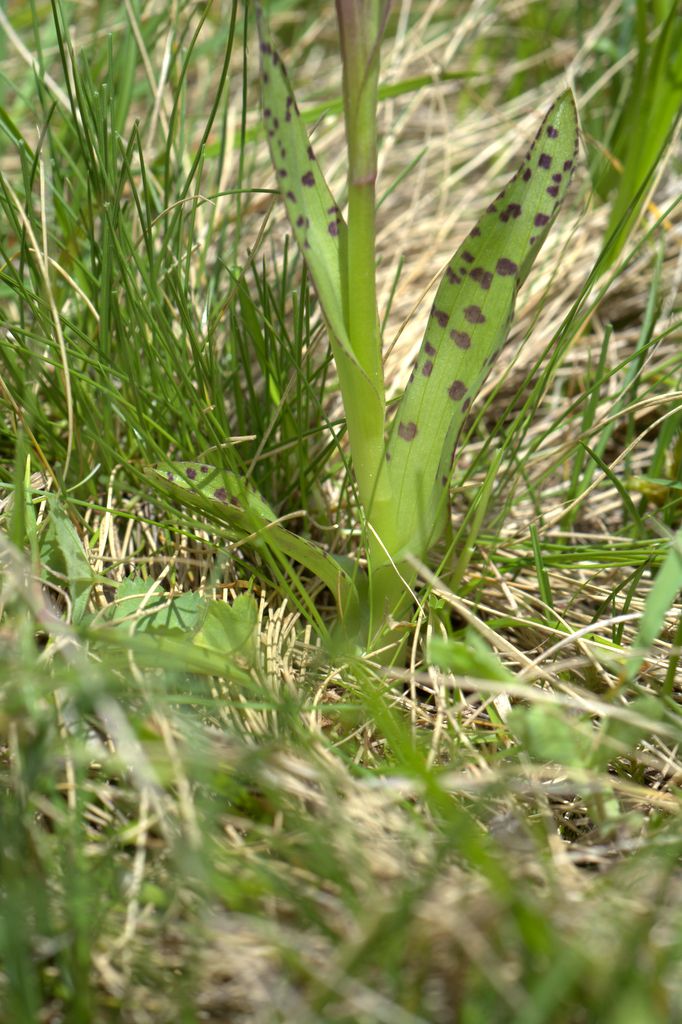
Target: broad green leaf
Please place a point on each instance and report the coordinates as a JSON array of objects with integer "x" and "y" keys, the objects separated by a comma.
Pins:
[
  {"x": 469, "y": 322},
  {"x": 471, "y": 658},
  {"x": 156, "y": 612},
  {"x": 224, "y": 495},
  {"x": 229, "y": 628},
  {"x": 314, "y": 215},
  {"x": 548, "y": 734},
  {"x": 628, "y": 732},
  {"x": 212, "y": 625}
]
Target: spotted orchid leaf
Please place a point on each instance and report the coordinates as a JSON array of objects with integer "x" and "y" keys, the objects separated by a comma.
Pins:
[
  {"x": 250, "y": 520},
  {"x": 316, "y": 221},
  {"x": 468, "y": 325},
  {"x": 335, "y": 256}
]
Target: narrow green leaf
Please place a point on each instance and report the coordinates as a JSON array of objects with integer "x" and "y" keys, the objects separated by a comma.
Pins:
[
  {"x": 469, "y": 323},
  {"x": 314, "y": 215},
  {"x": 652, "y": 113},
  {"x": 214, "y": 492},
  {"x": 225, "y": 496}
]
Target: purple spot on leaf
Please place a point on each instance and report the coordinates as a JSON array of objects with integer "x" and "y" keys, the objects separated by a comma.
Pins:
[
  {"x": 169, "y": 476},
  {"x": 568, "y": 164},
  {"x": 191, "y": 474},
  {"x": 552, "y": 132},
  {"x": 440, "y": 317},
  {"x": 308, "y": 179},
  {"x": 333, "y": 228},
  {"x": 557, "y": 178},
  {"x": 311, "y": 155},
  {"x": 452, "y": 276},
  {"x": 467, "y": 257},
  {"x": 204, "y": 469},
  {"x": 545, "y": 160},
  {"x": 474, "y": 315},
  {"x": 220, "y": 493},
  {"x": 527, "y": 174},
  {"x": 461, "y": 339},
  {"x": 475, "y": 232},
  {"x": 457, "y": 390},
  {"x": 429, "y": 349},
  {"x": 505, "y": 267},
  {"x": 407, "y": 431},
  {"x": 553, "y": 191},
  {"x": 513, "y": 210},
  {"x": 427, "y": 368},
  {"x": 291, "y": 196},
  {"x": 540, "y": 220},
  {"x": 484, "y": 277}
]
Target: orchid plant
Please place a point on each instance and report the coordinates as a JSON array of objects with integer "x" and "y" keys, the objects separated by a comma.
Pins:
[{"x": 402, "y": 468}]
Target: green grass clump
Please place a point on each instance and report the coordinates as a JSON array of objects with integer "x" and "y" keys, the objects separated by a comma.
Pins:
[{"x": 218, "y": 800}]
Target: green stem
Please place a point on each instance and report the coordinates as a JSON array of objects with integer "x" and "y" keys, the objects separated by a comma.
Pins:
[{"x": 361, "y": 25}]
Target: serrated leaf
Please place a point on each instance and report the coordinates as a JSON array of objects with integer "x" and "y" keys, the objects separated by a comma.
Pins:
[
  {"x": 229, "y": 628},
  {"x": 156, "y": 613},
  {"x": 470, "y": 320}
]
